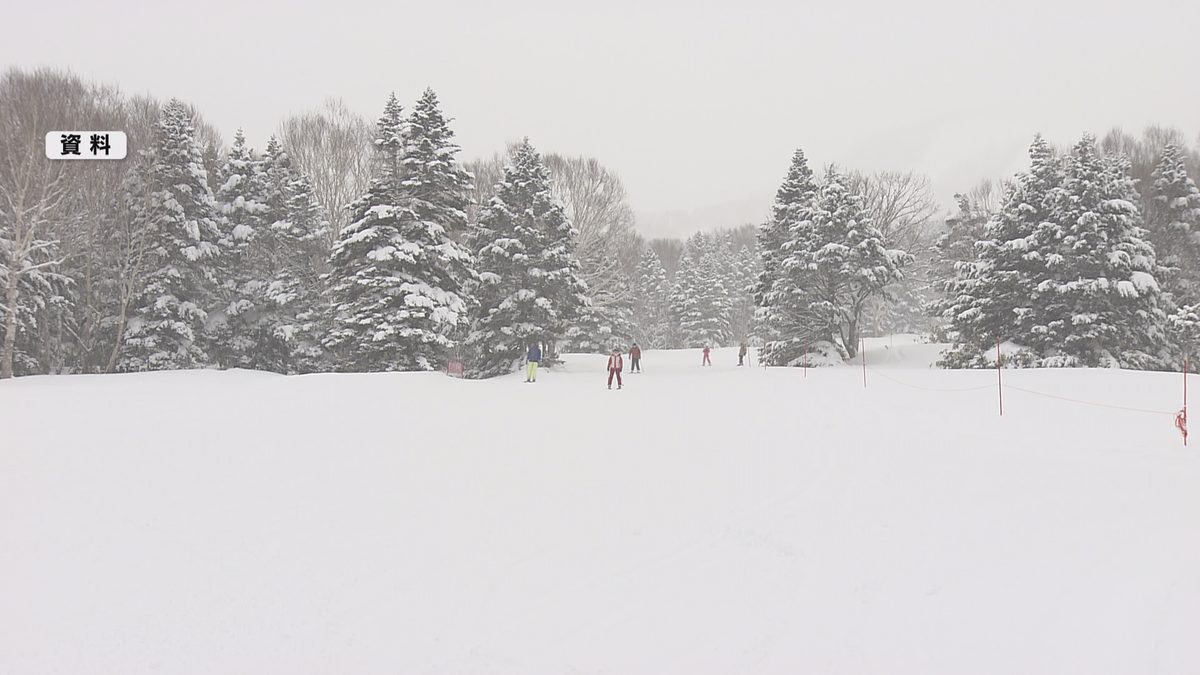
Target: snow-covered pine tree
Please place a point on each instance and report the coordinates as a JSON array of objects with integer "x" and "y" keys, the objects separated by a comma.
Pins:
[
  {"x": 1101, "y": 304},
  {"x": 600, "y": 327},
  {"x": 367, "y": 306},
  {"x": 700, "y": 300},
  {"x": 169, "y": 311},
  {"x": 1183, "y": 326},
  {"x": 993, "y": 297},
  {"x": 653, "y": 327},
  {"x": 842, "y": 263},
  {"x": 715, "y": 298},
  {"x": 743, "y": 276},
  {"x": 782, "y": 310},
  {"x": 435, "y": 192},
  {"x": 397, "y": 276},
  {"x": 957, "y": 242},
  {"x": 1173, "y": 219},
  {"x": 293, "y": 243},
  {"x": 528, "y": 291},
  {"x": 684, "y": 306},
  {"x": 43, "y": 305},
  {"x": 274, "y": 247},
  {"x": 233, "y": 339},
  {"x": 952, "y": 250}
]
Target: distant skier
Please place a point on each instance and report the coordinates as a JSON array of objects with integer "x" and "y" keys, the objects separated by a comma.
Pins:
[
  {"x": 614, "y": 367},
  {"x": 706, "y": 361},
  {"x": 533, "y": 356},
  {"x": 742, "y": 353},
  {"x": 635, "y": 355}
]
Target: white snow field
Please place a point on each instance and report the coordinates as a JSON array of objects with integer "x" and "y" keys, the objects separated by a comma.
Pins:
[{"x": 702, "y": 520}]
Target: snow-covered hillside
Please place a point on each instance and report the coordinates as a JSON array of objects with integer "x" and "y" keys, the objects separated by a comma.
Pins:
[{"x": 701, "y": 520}]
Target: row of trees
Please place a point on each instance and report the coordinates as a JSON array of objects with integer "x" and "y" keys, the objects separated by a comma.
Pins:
[
  {"x": 347, "y": 247},
  {"x": 70, "y": 248},
  {"x": 707, "y": 301},
  {"x": 1076, "y": 266},
  {"x": 187, "y": 256},
  {"x": 333, "y": 249},
  {"x": 1070, "y": 262}
]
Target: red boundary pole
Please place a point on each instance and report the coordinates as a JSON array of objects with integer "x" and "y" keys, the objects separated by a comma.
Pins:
[
  {"x": 999, "y": 379},
  {"x": 1185, "y": 374}
]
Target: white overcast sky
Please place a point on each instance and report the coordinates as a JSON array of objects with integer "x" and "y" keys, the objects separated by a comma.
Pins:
[{"x": 694, "y": 104}]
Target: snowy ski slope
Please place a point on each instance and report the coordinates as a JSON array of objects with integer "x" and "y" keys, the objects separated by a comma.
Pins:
[{"x": 701, "y": 520}]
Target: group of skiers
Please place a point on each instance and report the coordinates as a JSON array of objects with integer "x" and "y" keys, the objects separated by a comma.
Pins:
[
  {"x": 742, "y": 350},
  {"x": 616, "y": 363}
]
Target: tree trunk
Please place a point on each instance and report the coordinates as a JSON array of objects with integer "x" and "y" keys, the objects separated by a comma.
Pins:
[
  {"x": 850, "y": 339},
  {"x": 112, "y": 359},
  {"x": 10, "y": 328}
]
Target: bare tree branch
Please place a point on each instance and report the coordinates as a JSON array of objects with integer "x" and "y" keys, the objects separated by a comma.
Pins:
[{"x": 334, "y": 148}]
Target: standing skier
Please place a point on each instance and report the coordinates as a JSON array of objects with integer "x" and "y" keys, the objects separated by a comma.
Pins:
[
  {"x": 534, "y": 355},
  {"x": 635, "y": 355},
  {"x": 742, "y": 352},
  {"x": 614, "y": 367},
  {"x": 706, "y": 362}
]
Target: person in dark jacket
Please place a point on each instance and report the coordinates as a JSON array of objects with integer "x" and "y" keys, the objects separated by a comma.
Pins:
[
  {"x": 635, "y": 355},
  {"x": 533, "y": 356},
  {"x": 614, "y": 367},
  {"x": 742, "y": 353}
]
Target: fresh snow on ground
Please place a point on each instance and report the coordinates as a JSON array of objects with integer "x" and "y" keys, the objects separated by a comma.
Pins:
[{"x": 701, "y": 520}]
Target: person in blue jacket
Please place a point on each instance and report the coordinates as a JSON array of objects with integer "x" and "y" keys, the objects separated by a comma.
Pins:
[{"x": 534, "y": 355}]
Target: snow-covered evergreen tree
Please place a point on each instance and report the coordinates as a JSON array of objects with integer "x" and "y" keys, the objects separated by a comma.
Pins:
[
  {"x": 43, "y": 311},
  {"x": 840, "y": 262},
  {"x": 1065, "y": 271},
  {"x": 1101, "y": 303},
  {"x": 1173, "y": 219},
  {"x": 274, "y": 248},
  {"x": 684, "y": 291},
  {"x": 992, "y": 298},
  {"x": 529, "y": 290},
  {"x": 782, "y": 314},
  {"x": 957, "y": 242},
  {"x": 600, "y": 327},
  {"x": 700, "y": 300},
  {"x": 232, "y": 337},
  {"x": 742, "y": 275},
  {"x": 368, "y": 311},
  {"x": 170, "y": 310},
  {"x": 716, "y": 300},
  {"x": 952, "y": 251},
  {"x": 397, "y": 277},
  {"x": 293, "y": 245},
  {"x": 653, "y": 327}
]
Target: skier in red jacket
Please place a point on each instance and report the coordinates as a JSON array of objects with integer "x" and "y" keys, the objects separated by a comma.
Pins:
[
  {"x": 614, "y": 367},
  {"x": 635, "y": 355},
  {"x": 706, "y": 361}
]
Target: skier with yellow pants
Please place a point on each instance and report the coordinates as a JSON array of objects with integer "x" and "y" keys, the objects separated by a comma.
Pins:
[{"x": 534, "y": 355}]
